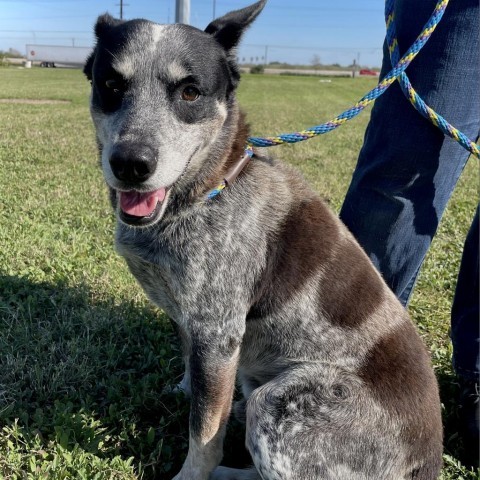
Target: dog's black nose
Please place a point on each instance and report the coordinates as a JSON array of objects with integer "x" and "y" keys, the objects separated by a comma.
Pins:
[{"x": 132, "y": 162}]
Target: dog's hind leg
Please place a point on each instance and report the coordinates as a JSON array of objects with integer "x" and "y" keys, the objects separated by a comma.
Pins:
[
  {"x": 317, "y": 421},
  {"x": 275, "y": 430},
  {"x": 225, "y": 473}
]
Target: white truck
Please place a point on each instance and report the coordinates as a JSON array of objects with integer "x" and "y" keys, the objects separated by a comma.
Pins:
[{"x": 57, "y": 55}]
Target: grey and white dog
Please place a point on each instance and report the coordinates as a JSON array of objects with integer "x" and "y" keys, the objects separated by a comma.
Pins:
[{"x": 264, "y": 283}]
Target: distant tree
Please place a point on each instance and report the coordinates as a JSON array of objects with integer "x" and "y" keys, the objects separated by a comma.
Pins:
[
  {"x": 316, "y": 62},
  {"x": 257, "y": 69},
  {"x": 10, "y": 53},
  {"x": 14, "y": 53}
]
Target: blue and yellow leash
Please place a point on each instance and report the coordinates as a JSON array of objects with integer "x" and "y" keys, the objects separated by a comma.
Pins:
[
  {"x": 396, "y": 73},
  {"x": 413, "y": 96}
]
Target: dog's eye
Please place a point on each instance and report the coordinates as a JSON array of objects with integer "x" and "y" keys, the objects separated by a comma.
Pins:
[
  {"x": 190, "y": 94},
  {"x": 115, "y": 85}
]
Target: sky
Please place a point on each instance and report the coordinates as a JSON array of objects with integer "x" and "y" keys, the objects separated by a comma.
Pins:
[{"x": 296, "y": 32}]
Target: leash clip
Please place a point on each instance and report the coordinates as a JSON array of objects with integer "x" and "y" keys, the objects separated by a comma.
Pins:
[{"x": 233, "y": 173}]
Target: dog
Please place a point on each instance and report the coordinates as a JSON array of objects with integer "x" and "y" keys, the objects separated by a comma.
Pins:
[{"x": 263, "y": 281}]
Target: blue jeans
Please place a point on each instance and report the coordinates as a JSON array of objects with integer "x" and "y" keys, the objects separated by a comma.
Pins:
[{"x": 407, "y": 169}]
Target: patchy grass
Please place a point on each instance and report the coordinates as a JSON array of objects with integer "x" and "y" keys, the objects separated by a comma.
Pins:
[{"x": 84, "y": 358}]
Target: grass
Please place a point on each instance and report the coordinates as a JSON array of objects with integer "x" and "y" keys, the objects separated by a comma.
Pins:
[{"x": 84, "y": 357}]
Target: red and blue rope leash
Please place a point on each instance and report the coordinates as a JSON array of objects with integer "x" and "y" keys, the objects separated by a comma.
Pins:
[{"x": 396, "y": 73}]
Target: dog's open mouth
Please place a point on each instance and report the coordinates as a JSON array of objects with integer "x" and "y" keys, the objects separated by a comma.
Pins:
[{"x": 141, "y": 208}]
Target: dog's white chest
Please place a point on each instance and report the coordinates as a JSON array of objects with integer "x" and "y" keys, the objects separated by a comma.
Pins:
[{"x": 158, "y": 283}]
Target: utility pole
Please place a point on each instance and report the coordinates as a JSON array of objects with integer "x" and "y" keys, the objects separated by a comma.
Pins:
[
  {"x": 121, "y": 8},
  {"x": 214, "y": 1},
  {"x": 356, "y": 66},
  {"x": 182, "y": 12}
]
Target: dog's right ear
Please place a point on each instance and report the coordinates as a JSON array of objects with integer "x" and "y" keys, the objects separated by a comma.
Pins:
[{"x": 103, "y": 25}]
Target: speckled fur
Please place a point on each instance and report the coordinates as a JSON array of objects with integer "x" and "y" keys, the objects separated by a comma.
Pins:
[{"x": 267, "y": 286}]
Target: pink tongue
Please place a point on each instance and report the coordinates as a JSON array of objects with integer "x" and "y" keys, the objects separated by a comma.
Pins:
[{"x": 141, "y": 204}]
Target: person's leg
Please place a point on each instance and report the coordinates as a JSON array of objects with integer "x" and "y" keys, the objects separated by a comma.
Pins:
[
  {"x": 465, "y": 340},
  {"x": 407, "y": 169},
  {"x": 465, "y": 312}
]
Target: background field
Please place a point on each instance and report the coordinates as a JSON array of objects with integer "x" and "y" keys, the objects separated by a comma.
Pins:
[{"x": 83, "y": 356}]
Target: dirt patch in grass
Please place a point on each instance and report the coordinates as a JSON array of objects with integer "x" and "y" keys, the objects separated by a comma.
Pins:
[{"x": 32, "y": 101}]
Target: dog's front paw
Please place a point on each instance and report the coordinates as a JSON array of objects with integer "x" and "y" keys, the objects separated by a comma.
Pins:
[
  {"x": 189, "y": 474},
  {"x": 180, "y": 476},
  {"x": 225, "y": 473},
  {"x": 182, "y": 387}
]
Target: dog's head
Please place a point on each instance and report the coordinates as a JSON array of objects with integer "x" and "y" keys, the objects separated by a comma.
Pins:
[{"x": 160, "y": 96}]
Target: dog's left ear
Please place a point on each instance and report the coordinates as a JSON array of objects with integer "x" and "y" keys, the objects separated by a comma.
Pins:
[{"x": 228, "y": 30}]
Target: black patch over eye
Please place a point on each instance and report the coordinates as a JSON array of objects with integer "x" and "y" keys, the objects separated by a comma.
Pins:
[
  {"x": 108, "y": 90},
  {"x": 190, "y": 93},
  {"x": 116, "y": 86}
]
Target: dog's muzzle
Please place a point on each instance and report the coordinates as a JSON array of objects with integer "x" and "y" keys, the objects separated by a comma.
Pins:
[{"x": 133, "y": 164}]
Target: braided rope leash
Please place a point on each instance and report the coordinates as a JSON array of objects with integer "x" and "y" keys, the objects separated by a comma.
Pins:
[
  {"x": 413, "y": 96},
  {"x": 397, "y": 72}
]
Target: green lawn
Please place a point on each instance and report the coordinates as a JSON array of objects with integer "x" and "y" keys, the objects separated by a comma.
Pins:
[{"x": 83, "y": 355}]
